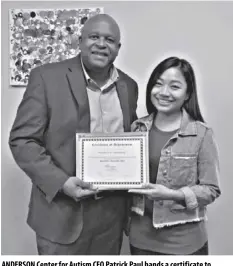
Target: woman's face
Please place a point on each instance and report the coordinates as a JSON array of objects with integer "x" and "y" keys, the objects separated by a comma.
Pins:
[{"x": 169, "y": 92}]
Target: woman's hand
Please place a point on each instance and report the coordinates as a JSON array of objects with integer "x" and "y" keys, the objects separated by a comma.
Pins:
[{"x": 159, "y": 192}]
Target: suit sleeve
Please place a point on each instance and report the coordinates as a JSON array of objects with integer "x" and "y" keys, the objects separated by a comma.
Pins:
[{"x": 27, "y": 139}]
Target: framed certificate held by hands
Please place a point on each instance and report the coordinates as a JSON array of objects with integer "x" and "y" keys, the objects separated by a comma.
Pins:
[{"x": 113, "y": 161}]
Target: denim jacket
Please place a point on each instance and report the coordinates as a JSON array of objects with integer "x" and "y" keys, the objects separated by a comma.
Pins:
[{"x": 189, "y": 162}]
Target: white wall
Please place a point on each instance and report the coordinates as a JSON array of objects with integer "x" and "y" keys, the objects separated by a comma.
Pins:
[{"x": 200, "y": 31}]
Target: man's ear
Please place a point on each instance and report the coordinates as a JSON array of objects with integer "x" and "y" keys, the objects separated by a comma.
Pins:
[
  {"x": 80, "y": 39},
  {"x": 119, "y": 46}
]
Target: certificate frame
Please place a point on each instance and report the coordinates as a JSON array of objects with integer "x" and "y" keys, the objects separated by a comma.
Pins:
[{"x": 92, "y": 143}]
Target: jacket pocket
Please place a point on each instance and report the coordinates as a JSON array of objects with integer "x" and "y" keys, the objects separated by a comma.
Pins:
[
  {"x": 176, "y": 207},
  {"x": 183, "y": 170}
]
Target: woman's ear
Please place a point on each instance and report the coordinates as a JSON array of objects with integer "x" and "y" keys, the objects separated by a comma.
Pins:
[{"x": 187, "y": 98}]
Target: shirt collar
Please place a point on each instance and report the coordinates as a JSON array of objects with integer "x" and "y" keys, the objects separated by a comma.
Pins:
[{"x": 114, "y": 75}]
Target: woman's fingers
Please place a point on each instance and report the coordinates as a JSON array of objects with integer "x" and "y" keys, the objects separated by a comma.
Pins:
[{"x": 140, "y": 191}]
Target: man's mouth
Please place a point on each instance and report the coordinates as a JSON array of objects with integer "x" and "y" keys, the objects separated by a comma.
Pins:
[{"x": 100, "y": 54}]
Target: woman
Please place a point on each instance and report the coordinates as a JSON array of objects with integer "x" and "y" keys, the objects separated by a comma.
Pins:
[{"x": 168, "y": 216}]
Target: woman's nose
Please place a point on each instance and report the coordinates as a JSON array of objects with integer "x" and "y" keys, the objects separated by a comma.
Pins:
[{"x": 164, "y": 90}]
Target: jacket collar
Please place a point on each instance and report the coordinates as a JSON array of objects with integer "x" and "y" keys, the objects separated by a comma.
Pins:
[
  {"x": 78, "y": 85},
  {"x": 188, "y": 125}
]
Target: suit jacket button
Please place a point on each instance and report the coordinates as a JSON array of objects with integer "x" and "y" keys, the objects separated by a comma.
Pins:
[
  {"x": 161, "y": 203},
  {"x": 165, "y": 172}
]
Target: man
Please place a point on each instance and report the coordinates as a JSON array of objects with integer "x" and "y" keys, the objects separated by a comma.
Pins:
[{"x": 83, "y": 94}]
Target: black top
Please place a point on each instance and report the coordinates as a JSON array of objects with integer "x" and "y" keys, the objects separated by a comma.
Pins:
[{"x": 157, "y": 140}]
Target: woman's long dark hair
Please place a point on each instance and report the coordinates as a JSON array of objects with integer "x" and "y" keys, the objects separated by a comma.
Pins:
[{"x": 191, "y": 104}]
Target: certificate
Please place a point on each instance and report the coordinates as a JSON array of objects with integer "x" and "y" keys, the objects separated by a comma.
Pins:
[{"x": 113, "y": 161}]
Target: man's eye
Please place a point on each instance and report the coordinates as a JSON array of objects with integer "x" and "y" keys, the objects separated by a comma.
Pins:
[
  {"x": 93, "y": 37},
  {"x": 110, "y": 40}
]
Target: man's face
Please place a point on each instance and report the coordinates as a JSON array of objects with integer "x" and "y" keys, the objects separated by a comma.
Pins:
[{"x": 99, "y": 44}]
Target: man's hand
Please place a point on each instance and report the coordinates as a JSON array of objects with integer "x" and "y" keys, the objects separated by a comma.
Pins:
[
  {"x": 77, "y": 189},
  {"x": 159, "y": 192}
]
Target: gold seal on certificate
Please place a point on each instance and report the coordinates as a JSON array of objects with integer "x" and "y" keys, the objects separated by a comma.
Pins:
[{"x": 113, "y": 161}]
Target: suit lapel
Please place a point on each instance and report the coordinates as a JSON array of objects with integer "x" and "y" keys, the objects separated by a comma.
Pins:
[
  {"x": 78, "y": 85},
  {"x": 122, "y": 91},
  {"x": 78, "y": 88}
]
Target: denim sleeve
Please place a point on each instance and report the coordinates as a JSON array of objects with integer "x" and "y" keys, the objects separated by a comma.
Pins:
[{"x": 207, "y": 188}]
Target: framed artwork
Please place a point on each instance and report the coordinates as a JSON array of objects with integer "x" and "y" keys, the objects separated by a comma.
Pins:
[{"x": 40, "y": 36}]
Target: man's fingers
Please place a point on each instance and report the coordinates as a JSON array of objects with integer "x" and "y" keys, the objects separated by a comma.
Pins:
[
  {"x": 83, "y": 184},
  {"x": 85, "y": 193}
]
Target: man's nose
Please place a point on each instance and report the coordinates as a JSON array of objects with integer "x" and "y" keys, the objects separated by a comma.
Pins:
[{"x": 101, "y": 42}]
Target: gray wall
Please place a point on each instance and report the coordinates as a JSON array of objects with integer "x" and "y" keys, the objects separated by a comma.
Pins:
[{"x": 199, "y": 31}]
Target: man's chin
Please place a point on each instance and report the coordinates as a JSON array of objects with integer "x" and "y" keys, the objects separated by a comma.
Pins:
[{"x": 99, "y": 66}]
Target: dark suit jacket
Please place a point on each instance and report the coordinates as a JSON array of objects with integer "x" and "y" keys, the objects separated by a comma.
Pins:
[{"x": 42, "y": 140}]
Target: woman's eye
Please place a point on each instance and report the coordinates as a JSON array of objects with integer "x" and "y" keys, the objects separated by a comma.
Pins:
[
  {"x": 158, "y": 84},
  {"x": 175, "y": 87}
]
